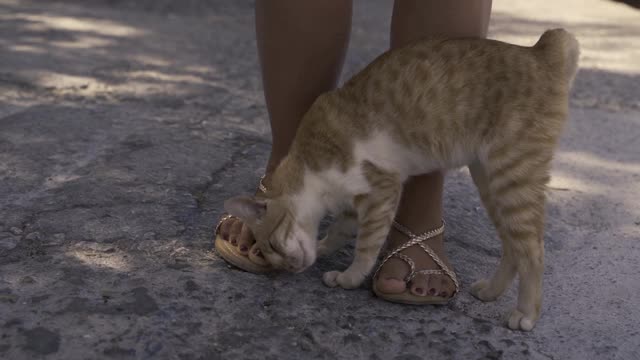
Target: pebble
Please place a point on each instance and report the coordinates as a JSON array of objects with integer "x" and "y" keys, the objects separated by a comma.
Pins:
[
  {"x": 33, "y": 236},
  {"x": 57, "y": 239},
  {"x": 9, "y": 242},
  {"x": 27, "y": 280},
  {"x": 15, "y": 231}
]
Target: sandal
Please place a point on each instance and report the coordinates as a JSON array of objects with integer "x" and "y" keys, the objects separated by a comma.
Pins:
[
  {"x": 407, "y": 297},
  {"x": 231, "y": 254}
]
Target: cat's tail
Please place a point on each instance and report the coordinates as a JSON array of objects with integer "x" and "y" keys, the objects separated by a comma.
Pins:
[{"x": 561, "y": 50}]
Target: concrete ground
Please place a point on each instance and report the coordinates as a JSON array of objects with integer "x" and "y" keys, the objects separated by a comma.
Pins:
[{"x": 124, "y": 125}]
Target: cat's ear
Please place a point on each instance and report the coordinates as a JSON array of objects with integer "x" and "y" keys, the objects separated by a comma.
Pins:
[{"x": 247, "y": 208}]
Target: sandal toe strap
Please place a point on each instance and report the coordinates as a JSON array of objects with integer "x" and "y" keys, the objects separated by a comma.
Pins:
[
  {"x": 223, "y": 219},
  {"x": 419, "y": 240},
  {"x": 445, "y": 269},
  {"x": 409, "y": 261},
  {"x": 424, "y": 272}
]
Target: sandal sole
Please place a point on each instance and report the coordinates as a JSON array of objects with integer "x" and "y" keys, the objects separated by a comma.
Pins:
[{"x": 408, "y": 298}]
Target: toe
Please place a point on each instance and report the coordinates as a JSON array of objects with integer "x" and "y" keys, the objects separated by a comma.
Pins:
[
  {"x": 437, "y": 288},
  {"x": 390, "y": 279},
  {"x": 433, "y": 286},
  {"x": 234, "y": 232},
  {"x": 445, "y": 285},
  {"x": 225, "y": 228},
  {"x": 390, "y": 285},
  {"x": 420, "y": 285},
  {"x": 245, "y": 239}
]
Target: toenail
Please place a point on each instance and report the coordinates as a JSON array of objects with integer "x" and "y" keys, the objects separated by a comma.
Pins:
[
  {"x": 444, "y": 294},
  {"x": 420, "y": 291},
  {"x": 244, "y": 248},
  {"x": 234, "y": 242},
  {"x": 432, "y": 291}
]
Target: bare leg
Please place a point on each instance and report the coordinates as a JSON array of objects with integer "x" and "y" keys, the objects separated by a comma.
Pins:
[
  {"x": 421, "y": 204},
  {"x": 301, "y": 45}
]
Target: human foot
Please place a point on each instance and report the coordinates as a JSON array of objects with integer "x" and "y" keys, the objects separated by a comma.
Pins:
[
  {"x": 234, "y": 241},
  {"x": 392, "y": 277},
  {"x": 233, "y": 230}
]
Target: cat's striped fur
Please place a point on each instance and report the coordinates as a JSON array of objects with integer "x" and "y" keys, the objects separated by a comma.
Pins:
[{"x": 436, "y": 104}]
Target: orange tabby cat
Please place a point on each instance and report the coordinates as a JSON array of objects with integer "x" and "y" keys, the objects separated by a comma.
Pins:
[{"x": 435, "y": 104}]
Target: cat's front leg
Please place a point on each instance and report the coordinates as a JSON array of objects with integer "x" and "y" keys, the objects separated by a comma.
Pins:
[
  {"x": 343, "y": 229},
  {"x": 375, "y": 212}
]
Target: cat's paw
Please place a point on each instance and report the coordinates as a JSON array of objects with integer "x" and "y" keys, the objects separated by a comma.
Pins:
[
  {"x": 330, "y": 278},
  {"x": 481, "y": 290},
  {"x": 516, "y": 320},
  {"x": 342, "y": 279}
]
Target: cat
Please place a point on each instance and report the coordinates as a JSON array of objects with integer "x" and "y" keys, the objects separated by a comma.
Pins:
[{"x": 435, "y": 104}]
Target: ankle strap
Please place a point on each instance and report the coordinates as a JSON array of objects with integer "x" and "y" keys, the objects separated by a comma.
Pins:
[
  {"x": 261, "y": 186},
  {"x": 424, "y": 236}
]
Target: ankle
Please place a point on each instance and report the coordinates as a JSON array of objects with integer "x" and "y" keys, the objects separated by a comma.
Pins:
[
  {"x": 418, "y": 223},
  {"x": 436, "y": 243},
  {"x": 274, "y": 160},
  {"x": 420, "y": 208}
]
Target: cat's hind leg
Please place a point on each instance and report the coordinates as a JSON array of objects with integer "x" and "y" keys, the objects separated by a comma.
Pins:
[
  {"x": 517, "y": 178},
  {"x": 343, "y": 229},
  {"x": 375, "y": 211},
  {"x": 490, "y": 289}
]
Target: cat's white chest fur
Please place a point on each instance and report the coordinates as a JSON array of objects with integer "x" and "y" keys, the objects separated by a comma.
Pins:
[
  {"x": 381, "y": 150},
  {"x": 332, "y": 188}
]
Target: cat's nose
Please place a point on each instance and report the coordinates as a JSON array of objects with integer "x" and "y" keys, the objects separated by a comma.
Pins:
[
  {"x": 291, "y": 268},
  {"x": 296, "y": 270},
  {"x": 294, "y": 264}
]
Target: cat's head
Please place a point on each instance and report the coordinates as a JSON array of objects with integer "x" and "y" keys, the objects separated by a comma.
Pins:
[{"x": 284, "y": 242}]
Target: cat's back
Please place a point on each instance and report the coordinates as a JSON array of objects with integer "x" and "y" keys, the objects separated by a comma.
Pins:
[
  {"x": 445, "y": 95},
  {"x": 464, "y": 65},
  {"x": 435, "y": 83}
]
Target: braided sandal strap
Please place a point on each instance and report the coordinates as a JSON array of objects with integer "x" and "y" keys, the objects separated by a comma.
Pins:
[
  {"x": 224, "y": 218},
  {"x": 261, "y": 186},
  {"x": 419, "y": 240},
  {"x": 424, "y": 272}
]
